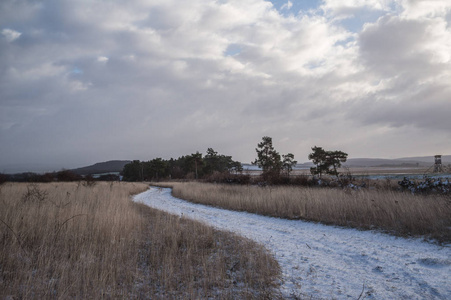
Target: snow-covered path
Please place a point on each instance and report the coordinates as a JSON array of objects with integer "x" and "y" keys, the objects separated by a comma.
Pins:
[{"x": 327, "y": 262}]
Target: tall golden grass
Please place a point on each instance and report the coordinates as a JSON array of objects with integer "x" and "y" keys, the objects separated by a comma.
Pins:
[
  {"x": 188, "y": 260},
  {"x": 69, "y": 240},
  {"x": 385, "y": 209}
]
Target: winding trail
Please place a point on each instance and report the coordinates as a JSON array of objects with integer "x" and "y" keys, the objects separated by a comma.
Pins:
[{"x": 326, "y": 262}]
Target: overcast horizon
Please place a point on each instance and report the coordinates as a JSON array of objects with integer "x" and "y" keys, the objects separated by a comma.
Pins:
[{"x": 90, "y": 81}]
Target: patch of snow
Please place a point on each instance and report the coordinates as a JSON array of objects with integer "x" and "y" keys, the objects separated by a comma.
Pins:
[{"x": 326, "y": 262}]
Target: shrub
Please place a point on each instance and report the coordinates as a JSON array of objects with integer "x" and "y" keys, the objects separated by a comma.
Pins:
[
  {"x": 226, "y": 177},
  {"x": 109, "y": 177},
  {"x": 47, "y": 177},
  {"x": 89, "y": 181},
  {"x": 34, "y": 194},
  {"x": 428, "y": 185},
  {"x": 3, "y": 178},
  {"x": 304, "y": 180},
  {"x": 67, "y": 175}
]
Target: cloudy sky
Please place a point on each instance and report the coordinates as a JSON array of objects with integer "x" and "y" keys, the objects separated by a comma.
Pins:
[{"x": 92, "y": 80}]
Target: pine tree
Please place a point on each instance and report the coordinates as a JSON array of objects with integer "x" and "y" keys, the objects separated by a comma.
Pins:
[{"x": 268, "y": 159}]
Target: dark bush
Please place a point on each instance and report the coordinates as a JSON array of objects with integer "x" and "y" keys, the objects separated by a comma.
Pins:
[
  {"x": 345, "y": 179},
  {"x": 89, "y": 181},
  {"x": 240, "y": 178},
  {"x": 285, "y": 180},
  {"x": 47, "y": 177},
  {"x": 4, "y": 178},
  {"x": 226, "y": 177},
  {"x": 109, "y": 177},
  {"x": 304, "y": 180},
  {"x": 67, "y": 175}
]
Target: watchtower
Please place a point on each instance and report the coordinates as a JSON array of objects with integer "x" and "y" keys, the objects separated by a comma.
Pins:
[{"x": 438, "y": 168}]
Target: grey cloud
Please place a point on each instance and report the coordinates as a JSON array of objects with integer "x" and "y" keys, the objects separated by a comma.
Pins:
[
  {"x": 428, "y": 108},
  {"x": 394, "y": 45},
  {"x": 413, "y": 89},
  {"x": 167, "y": 88},
  {"x": 161, "y": 18}
]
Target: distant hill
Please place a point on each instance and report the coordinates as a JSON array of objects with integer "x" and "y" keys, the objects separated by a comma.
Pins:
[
  {"x": 102, "y": 167},
  {"x": 446, "y": 159},
  {"x": 15, "y": 168},
  {"x": 421, "y": 161},
  {"x": 380, "y": 162}
]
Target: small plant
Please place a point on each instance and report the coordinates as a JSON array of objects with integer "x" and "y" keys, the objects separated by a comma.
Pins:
[
  {"x": 346, "y": 178},
  {"x": 34, "y": 194}
]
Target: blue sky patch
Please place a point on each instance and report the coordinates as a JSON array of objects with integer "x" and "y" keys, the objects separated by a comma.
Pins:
[
  {"x": 297, "y": 6},
  {"x": 232, "y": 50},
  {"x": 356, "y": 22},
  {"x": 77, "y": 71}
]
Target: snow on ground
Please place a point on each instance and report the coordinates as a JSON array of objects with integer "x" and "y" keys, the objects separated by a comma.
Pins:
[{"x": 326, "y": 262}]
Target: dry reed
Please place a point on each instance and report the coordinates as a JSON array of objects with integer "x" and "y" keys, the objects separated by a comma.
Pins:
[
  {"x": 69, "y": 240},
  {"x": 388, "y": 210},
  {"x": 64, "y": 240},
  {"x": 188, "y": 260}
]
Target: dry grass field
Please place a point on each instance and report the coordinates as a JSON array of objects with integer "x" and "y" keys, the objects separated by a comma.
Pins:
[
  {"x": 385, "y": 209},
  {"x": 71, "y": 240}
]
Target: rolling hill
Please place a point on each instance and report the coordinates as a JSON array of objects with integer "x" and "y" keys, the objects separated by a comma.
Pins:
[
  {"x": 102, "y": 167},
  {"x": 420, "y": 161}
]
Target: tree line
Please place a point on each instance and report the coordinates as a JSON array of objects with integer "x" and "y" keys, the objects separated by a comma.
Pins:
[
  {"x": 192, "y": 166},
  {"x": 63, "y": 175},
  {"x": 276, "y": 168}
]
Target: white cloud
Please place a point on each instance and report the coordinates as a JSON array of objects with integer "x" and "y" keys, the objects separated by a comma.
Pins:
[
  {"x": 287, "y": 6},
  {"x": 10, "y": 34},
  {"x": 102, "y": 59},
  {"x": 425, "y": 8}
]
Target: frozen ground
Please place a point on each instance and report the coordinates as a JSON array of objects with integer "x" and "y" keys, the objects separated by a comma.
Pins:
[{"x": 325, "y": 262}]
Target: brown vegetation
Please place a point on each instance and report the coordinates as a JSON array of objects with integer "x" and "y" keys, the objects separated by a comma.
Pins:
[
  {"x": 72, "y": 240},
  {"x": 385, "y": 209}
]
